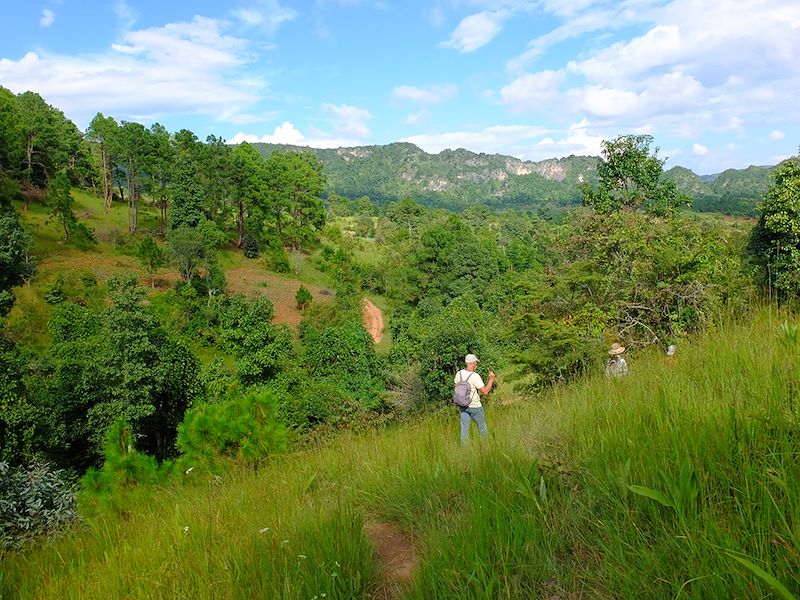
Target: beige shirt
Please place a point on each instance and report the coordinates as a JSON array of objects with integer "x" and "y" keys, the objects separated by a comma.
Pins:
[{"x": 475, "y": 384}]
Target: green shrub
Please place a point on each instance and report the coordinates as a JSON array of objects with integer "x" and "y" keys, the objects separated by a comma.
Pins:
[
  {"x": 303, "y": 297},
  {"x": 35, "y": 501},
  {"x": 54, "y": 293},
  {"x": 261, "y": 349},
  {"x": 446, "y": 338},
  {"x": 250, "y": 247},
  {"x": 279, "y": 260},
  {"x": 244, "y": 428},
  {"x": 123, "y": 465},
  {"x": 345, "y": 356}
]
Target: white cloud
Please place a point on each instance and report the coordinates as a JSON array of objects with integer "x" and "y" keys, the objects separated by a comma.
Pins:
[
  {"x": 125, "y": 14},
  {"x": 699, "y": 66},
  {"x": 526, "y": 142},
  {"x": 576, "y": 140},
  {"x": 776, "y": 135},
  {"x": 418, "y": 117},
  {"x": 669, "y": 94},
  {"x": 609, "y": 102},
  {"x": 620, "y": 62},
  {"x": 433, "y": 94},
  {"x": 349, "y": 120},
  {"x": 48, "y": 17},
  {"x": 699, "y": 150},
  {"x": 267, "y": 14},
  {"x": 287, "y": 133},
  {"x": 496, "y": 139},
  {"x": 532, "y": 90},
  {"x": 188, "y": 67},
  {"x": 476, "y": 30}
]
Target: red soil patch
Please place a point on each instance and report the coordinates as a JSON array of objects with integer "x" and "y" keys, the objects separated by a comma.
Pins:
[
  {"x": 373, "y": 320},
  {"x": 395, "y": 552},
  {"x": 244, "y": 280},
  {"x": 280, "y": 290}
]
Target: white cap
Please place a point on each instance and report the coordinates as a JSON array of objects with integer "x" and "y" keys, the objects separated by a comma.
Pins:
[{"x": 470, "y": 358}]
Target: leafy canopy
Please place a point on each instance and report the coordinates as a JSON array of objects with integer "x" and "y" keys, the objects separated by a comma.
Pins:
[{"x": 631, "y": 178}]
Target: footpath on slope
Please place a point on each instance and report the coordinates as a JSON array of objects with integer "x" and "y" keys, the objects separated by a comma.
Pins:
[
  {"x": 373, "y": 319},
  {"x": 394, "y": 550}
]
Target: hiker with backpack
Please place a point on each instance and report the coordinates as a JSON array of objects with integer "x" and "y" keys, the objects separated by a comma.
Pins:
[{"x": 469, "y": 386}]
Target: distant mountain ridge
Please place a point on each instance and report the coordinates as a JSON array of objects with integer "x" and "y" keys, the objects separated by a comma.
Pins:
[{"x": 455, "y": 179}]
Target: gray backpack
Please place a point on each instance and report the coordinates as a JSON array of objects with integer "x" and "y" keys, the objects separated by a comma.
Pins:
[{"x": 462, "y": 394}]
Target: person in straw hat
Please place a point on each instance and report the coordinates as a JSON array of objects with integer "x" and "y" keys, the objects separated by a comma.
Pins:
[{"x": 616, "y": 365}]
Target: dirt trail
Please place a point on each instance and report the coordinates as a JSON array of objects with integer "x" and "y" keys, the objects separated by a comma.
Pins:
[
  {"x": 395, "y": 552},
  {"x": 373, "y": 319}
]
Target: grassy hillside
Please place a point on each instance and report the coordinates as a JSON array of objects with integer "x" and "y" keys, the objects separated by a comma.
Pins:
[
  {"x": 681, "y": 480},
  {"x": 82, "y": 268}
]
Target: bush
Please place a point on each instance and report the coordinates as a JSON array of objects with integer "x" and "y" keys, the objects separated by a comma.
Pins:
[
  {"x": 308, "y": 403},
  {"x": 244, "y": 428},
  {"x": 303, "y": 297},
  {"x": 344, "y": 355},
  {"x": 279, "y": 260},
  {"x": 55, "y": 294},
  {"x": 250, "y": 247},
  {"x": 123, "y": 467},
  {"x": 261, "y": 349},
  {"x": 34, "y": 502}
]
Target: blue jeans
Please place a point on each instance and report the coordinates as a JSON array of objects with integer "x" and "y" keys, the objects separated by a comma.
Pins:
[{"x": 472, "y": 414}]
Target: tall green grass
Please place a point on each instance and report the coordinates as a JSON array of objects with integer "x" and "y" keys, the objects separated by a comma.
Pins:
[{"x": 680, "y": 481}]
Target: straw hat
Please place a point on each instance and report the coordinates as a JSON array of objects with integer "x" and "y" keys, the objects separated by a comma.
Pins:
[{"x": 616, "y": 349}]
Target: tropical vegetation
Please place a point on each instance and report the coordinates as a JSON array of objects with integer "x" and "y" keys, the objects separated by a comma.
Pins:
[{"x": 192, "y": 405}]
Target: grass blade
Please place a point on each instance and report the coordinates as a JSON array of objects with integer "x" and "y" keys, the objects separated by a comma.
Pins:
[
  {"x": 776, "y": 585},
  {"x": 652, "y": 494}
]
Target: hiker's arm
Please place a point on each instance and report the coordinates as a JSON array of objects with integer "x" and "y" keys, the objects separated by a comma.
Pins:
[{"x": 487, "y": 388}]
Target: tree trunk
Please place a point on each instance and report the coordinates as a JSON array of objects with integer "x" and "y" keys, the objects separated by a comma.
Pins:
[
  {"x": 29, "y": 169},
  {"x": 278, "y": 224},
  {"x": 107, "y": 191},
  {"x": 163, "y": 206},
  {"x": 133, "y": 197},
  {"x": 240, "y": 224}
]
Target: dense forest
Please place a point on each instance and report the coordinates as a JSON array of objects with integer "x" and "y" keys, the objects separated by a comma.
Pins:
[{"x": 132, "y": 351}]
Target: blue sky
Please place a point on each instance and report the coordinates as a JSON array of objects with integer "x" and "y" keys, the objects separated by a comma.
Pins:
[{"x": 715, "y": 82}]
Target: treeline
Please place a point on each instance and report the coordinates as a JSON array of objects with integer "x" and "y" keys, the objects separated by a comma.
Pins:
[{"x": 212, "y": 186}]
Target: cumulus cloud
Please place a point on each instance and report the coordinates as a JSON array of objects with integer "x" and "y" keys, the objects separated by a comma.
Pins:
[
  {"x": 287, "y": 133},
  {"x": 189, "y": 67},
  {"x": 699, "y": 65},
  {"x": 532, "y": 90},
  {"x": 699, "y": 150},
  {"x": 475, "y": 31},
  {"x": 776, "y": 135},
  {"x": 577, "y": 139},
  {"x": 48, "y": 17},
  {"x": 430, "y": 95},
  {"x": 349, "y": 121},
  {"x": 495, "y": 139},
  {"x": 527, "y": 142}
]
